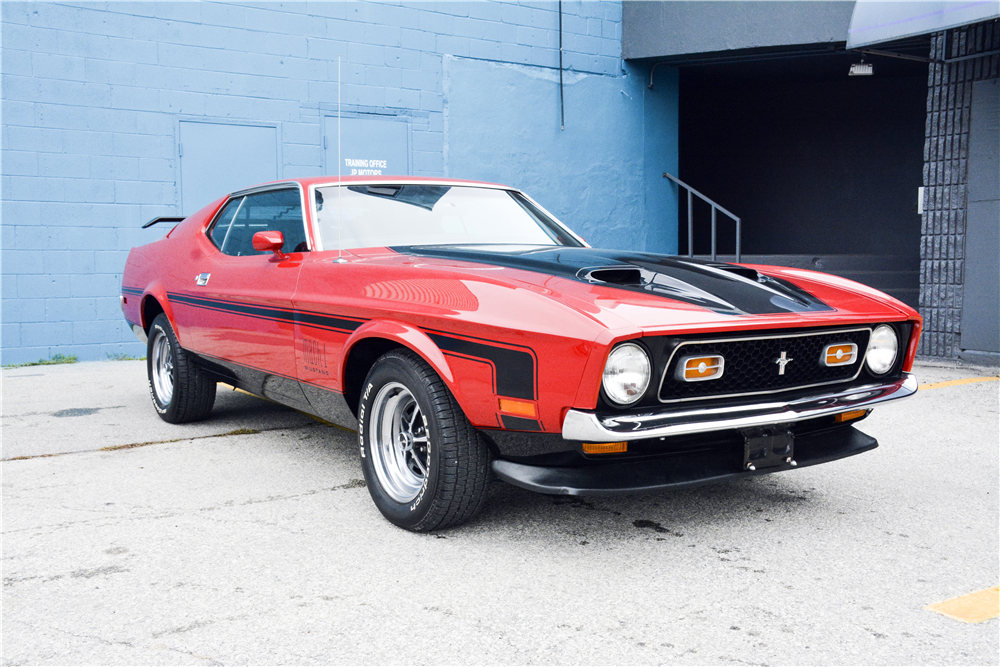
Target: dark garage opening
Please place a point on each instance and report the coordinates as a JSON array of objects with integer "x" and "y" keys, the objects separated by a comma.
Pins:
[{"x": 823, "y": 168}]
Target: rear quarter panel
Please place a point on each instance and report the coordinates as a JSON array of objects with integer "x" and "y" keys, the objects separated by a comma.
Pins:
[{"x": 157, "y": 268}]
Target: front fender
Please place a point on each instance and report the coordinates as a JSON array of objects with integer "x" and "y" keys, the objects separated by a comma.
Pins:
[
  {"x": 410, "y": 337},
  {"x": 406, "y": 335},
  {"x": 472, "y": 381}
]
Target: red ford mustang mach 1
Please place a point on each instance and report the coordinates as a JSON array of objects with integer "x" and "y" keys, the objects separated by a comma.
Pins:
[{"x": 467, "y": 334}]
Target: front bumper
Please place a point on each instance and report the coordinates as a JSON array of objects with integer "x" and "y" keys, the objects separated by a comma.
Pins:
[{"x": 585, "y": 426}]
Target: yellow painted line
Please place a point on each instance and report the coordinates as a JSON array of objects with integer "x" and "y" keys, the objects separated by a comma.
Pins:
[
  {"x": 972, "y": 608},
  {"x": 326, "y": 423},
  {"x": 263, "y": 398},
  {"x": 953, "y": 383}
]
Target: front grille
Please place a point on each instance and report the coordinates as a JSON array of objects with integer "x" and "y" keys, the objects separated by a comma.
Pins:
[{"x": 751, "y": 364}]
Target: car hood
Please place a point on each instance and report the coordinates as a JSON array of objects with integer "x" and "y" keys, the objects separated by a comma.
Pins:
[
  {"x": 727, "y": 289},
  {"x": 653, "y": 291}
]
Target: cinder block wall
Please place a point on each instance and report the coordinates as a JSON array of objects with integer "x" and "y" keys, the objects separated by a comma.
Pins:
[{"x": 93, "y": 93}]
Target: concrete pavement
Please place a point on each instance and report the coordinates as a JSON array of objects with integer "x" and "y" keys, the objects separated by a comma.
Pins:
[{"x": 216, "y": 545}]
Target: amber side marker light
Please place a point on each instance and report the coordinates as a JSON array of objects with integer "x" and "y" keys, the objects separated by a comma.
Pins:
[
  {"x": 514, "y": 407},
  {"x": 850, "y": 416},
  {"x": 605, "y": 447}
]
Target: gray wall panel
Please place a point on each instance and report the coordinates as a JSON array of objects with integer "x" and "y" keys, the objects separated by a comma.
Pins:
[
  {"x": 981, "y": 306},
  {"x": 662, "y": 29}
]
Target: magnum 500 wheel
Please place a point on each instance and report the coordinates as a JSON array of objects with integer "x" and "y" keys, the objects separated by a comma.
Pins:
[
  {"x": 425, "y": 465},
  {"x": 181, "y": 391}
]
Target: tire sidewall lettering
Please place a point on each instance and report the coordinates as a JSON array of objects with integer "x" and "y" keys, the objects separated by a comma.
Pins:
[{"x": 361, "y": 419}]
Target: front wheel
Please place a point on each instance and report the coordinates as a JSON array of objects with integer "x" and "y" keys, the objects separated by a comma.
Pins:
[
  {"x": 425, "y": 465},
  {"x": 181, "y": 391}
]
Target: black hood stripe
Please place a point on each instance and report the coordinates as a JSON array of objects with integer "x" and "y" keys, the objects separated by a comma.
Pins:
[{"x": 727, "y": 289}]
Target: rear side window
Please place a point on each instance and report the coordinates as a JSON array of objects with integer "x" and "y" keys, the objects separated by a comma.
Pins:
[
  {"x": 242, "y": 217},
  {"x": 221, "y": 227}
]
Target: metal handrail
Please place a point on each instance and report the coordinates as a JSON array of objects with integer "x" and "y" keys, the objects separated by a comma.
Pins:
[{"x": 715, "y": 207}]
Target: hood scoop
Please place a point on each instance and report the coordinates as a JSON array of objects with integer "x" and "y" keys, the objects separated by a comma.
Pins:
[
  {"x": 613, "y": 275},
  {"x": 742, "y": 271}
]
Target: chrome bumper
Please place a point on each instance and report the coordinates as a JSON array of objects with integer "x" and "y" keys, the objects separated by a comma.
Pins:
[
  {"x": 589, "y": 427},
  {"x": 139, "y": 333}
]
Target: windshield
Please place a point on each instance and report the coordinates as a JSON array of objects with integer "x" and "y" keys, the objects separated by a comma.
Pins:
[{"x": 386, "y": 215}]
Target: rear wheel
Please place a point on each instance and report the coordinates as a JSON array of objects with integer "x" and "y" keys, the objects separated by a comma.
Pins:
[
  {"x": 181, "y": 391},
  {"x": 425, "y": 465}
]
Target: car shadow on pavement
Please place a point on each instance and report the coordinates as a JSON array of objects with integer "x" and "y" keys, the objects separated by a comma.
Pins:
[{"x": 764, "y": 500}]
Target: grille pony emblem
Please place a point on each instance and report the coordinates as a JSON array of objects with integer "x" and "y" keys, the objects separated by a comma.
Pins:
[{"x": 782, "y": 361}]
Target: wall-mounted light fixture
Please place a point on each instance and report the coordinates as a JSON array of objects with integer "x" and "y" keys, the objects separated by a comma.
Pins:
[{"x": 861, "y": 69}]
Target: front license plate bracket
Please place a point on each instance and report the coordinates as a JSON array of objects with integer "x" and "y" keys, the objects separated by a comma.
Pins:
[{"x": 767, "y": 448}]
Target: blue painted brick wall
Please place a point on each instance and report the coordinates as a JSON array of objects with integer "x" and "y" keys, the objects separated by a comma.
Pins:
[{"x": 92, "y": 92}]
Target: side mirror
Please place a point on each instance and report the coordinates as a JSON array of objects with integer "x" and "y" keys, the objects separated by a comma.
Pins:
[{"x": 269, "y": 240}]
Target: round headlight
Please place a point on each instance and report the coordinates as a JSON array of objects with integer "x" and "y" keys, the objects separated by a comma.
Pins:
[
  {"x": 626, "y": 375},
  {"x": 881, "y": 350}
]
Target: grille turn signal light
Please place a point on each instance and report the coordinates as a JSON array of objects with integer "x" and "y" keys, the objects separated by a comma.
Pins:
[
  {"x": 696, "y": 369},
  {"x": 850, "y": 416},
  {"x": 605, "y": 447},
  {"x": 840, "y": 354}
]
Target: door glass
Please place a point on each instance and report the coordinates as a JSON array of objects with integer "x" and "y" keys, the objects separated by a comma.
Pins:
[{"x": 279, "y": 210}]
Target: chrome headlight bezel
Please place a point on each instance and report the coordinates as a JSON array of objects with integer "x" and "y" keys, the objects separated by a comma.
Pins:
[
  {"x": 883, "y": 350},
  {"x": 628, "y": 390}
]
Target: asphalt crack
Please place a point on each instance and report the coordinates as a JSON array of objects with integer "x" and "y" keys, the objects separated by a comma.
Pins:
[
  {"x": 134, "y": 445},
  {"x": 106, "y": 642},
  {"x": 183, "y": 629},
  {"x": 98, "y": 571}
]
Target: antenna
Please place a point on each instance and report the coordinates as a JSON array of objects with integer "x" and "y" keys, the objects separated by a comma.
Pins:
[{"x": 340, "y": 215}]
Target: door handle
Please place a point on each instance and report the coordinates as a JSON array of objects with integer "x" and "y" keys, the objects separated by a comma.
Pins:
[{"x": 202, "y": 279}]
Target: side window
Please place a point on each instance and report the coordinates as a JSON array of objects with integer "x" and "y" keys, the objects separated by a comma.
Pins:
[
  {"x": 279, "y": 210},
  {"x": 220, "y": 228}
]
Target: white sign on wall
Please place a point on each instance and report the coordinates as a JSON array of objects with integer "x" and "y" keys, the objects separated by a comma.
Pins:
[{"x": 369, "y": 147}]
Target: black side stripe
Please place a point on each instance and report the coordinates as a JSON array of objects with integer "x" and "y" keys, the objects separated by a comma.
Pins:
[
  {"x": 260, "y": 312},
  {"x": 134, "y": 291},
  {"x": 321, "y": 321},
  {"x": 307, "y": 318},
  {"x": 515, "y": 369}
]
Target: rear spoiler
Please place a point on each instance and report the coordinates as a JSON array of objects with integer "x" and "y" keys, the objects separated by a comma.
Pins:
[{"x": 162, "y": 218}]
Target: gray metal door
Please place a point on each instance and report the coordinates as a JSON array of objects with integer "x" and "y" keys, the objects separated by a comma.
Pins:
[
  {"x": 218, "y": 158},
  {"x": 981, "y": 301}
]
